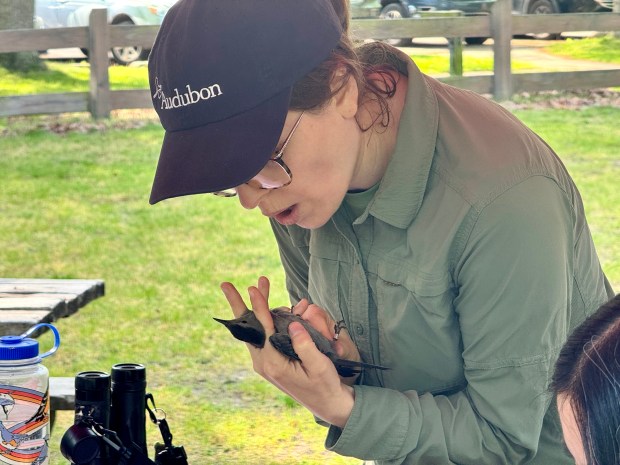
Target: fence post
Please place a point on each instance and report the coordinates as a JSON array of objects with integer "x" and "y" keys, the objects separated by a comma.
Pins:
[
  {"x": 616, "y": 9},
  {"x": 501, "y": 29},
  {"x": 99, "y": 44},
  {"x": 455, "y": 44}
]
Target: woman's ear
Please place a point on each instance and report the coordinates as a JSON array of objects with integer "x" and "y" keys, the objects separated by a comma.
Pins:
[{"x": 346, "y": 97}]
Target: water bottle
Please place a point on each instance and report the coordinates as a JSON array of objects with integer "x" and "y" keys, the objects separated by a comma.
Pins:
[{"x": 24, "y": 399}]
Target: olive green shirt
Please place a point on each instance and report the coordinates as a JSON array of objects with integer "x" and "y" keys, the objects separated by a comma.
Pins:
[{"x": 464, "y": 274}]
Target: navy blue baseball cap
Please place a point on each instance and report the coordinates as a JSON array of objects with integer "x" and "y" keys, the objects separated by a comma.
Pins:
[{"x": 221, "y": 75}]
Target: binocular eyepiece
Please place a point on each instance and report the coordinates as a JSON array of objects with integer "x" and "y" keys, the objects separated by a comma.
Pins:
[{"x": 110, "y": 418}]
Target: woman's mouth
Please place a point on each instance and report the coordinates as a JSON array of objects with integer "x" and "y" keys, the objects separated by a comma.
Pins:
[{"x": 287, "y": 217}]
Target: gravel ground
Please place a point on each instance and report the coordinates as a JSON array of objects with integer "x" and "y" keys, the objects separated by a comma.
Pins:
[
  {"x": 130, "y": 119},
  {"x": 573, "y": 100}
]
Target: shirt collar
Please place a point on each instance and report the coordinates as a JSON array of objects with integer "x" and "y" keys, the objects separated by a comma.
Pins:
[{"x": 401, "y": 190}]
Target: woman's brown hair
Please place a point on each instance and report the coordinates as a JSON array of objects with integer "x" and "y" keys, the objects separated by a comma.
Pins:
[
  {"x": 373, "y": 66},
  {"x": 587, "y": 372}
]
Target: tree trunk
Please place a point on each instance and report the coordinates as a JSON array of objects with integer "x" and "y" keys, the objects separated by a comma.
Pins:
[{"x": 18, "y": 14}]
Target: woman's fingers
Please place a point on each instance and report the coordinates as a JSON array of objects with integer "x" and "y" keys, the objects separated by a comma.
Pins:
[
  {"x": 300, "y": 307},
  {"x": 320, "y": 320},
  {"x": 312, "y": 360},
  {"x": 234, "y": 299},
  {"x": 263, "y": 287},
  {"x": 260, "y": 306}
]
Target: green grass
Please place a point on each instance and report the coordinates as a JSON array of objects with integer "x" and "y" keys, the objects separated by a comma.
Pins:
[
  {"x": 76, "y": 206},
  {"x": 605, "y": 49},
  {"x": 435, "y": 65},
  {"x": 69, "y": 77}
]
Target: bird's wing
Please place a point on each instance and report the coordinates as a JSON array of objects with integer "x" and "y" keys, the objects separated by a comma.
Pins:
[{"x": 282, "y": 343}]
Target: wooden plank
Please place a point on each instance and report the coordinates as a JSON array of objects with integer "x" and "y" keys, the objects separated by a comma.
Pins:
[
  {"x": 75, "y": 293},
  {"x": 466, "y": 26},
  {"x": 73, "y": 302},
  {"x": 44, "y": 104},
  {"x": 482, "y": 84},
  {"x": 533, "y": 82},
  {"x": 604, "y": 21},
  {"x": 49, "y": 285},
  {"x": 137, "y": 98},
  {"x": 62, "y": 393},
  {"x": 480, "y": 26},
  {"x": 16, "y": 322},
  {"x": 142, "y": 36},
  {"x": 25, "y": 40},
  {"x": 86, "y": 289},
  {"x": 55, "y": 306}
]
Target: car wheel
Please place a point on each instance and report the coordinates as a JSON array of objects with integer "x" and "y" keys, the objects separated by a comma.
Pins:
[
  {"x": 543, "y": 7},
  {"x": 395, "y": 11},
  {"x": 475, "y": 40},
  {"x": 127, "y": 54}
]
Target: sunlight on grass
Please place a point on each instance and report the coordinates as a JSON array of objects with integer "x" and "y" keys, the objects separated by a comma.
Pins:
[
  {"x": 69, "y": 77},
  {"x": 434, "y": 65},
  {"x": 604, "y": 49}
]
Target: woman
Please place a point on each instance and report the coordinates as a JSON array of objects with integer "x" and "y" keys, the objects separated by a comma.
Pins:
[
  {"x": 447, "y": 238},
  {"x": 587, "y": 384}
]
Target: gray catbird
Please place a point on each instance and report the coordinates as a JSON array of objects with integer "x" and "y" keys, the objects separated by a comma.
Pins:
[{"x": 248, "y": 329}]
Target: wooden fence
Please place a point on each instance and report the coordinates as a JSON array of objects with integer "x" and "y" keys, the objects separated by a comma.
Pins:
[{"x": 501, "y": 25}]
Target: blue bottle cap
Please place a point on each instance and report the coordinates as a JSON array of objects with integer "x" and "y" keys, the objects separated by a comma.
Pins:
[
  {"x": 23, "y": 347},
  {"x": 18, "y": 348}
]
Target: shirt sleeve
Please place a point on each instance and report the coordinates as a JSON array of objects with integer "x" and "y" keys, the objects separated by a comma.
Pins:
[{"x": 514, "y": 278}]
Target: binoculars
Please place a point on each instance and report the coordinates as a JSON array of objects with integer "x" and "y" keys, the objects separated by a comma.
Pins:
[{"x": 110, "y": 421}]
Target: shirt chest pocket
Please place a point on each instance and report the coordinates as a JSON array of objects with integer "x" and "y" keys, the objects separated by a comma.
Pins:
[
  {"x": 418, "y": 329},
  {"x": 325, "y": 271}
]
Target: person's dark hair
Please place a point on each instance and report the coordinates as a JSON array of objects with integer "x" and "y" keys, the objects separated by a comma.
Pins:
[
  {"x": 372, "y": 66},
  {"x": 587, "y": 372}
]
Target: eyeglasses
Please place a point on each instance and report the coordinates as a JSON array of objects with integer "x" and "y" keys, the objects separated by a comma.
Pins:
[{"x": 274, "y": 175}]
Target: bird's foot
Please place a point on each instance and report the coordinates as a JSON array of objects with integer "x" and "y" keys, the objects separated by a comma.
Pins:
[{"x": 339, "y": 326}]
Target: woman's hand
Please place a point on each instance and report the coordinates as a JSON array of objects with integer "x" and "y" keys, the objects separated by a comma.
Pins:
[
  {"x": 314, "y": 382},
  {"x": 321, "y": 321}
]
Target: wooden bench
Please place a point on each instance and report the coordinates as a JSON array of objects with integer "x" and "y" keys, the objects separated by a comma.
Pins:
[
  {"x": 27, "y": 302},
  {"x": 62, "y": 395}
]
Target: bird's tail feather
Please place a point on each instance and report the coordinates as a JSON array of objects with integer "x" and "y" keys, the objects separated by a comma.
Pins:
[{"x": 348, "y": 368}]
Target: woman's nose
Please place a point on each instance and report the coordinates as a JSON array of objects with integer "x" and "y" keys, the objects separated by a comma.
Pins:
[{"x": 250, "y": 196}]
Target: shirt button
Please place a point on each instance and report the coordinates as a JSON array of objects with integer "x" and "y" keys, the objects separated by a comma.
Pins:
[{"x": 359, "y": 329}]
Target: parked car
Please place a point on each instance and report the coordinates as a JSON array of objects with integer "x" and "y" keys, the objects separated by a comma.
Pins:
[
  {"x": 386, "y": 9},
  {"x": 394, "y": 9},
  {"x": 70, "y": 13},
  {"x": 397, "y": 9},
  {"x": 541, "y": 7}
]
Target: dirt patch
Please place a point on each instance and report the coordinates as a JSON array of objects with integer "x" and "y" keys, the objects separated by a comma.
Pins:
[
  {"x": 133, "y": 119},
  {"x": 565, "y": 100},
  {"x": 76, "y": 122}
]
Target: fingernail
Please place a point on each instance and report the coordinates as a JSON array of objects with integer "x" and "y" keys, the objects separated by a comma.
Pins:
[{"x": 295, "y": 328}]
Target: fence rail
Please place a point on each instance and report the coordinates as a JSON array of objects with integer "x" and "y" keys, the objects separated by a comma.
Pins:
[{"x": 500, "y": 25}]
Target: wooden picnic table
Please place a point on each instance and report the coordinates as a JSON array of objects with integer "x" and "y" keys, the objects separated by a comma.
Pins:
[{"x": 26, "y": 302}]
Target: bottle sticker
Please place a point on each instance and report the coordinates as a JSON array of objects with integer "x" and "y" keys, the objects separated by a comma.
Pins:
[{"x": 24, "y": 417}]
